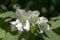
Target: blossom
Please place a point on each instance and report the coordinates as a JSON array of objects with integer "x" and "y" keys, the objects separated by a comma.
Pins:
[
  {"x": 34, "y": 16},
  {"x": 43, "y": 24},
  {"x": 22, "y": 15},
  {"x": 22, "y": 22},
  {"x": 24, "y": 19},
  {"x": 17, "y": 24}
]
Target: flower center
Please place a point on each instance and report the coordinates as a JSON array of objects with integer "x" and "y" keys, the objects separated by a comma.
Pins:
[
  {"x": 43, "y": 24},
  {"x": 23, "y": 18},
  {"x": 33, "y": 18}
]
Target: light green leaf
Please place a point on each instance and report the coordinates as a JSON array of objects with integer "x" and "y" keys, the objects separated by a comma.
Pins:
[
  {"x": 45, "y": 38},
  {"x": 16, "y": 6},
  {"x": 26, "y": 36},
  {"x": 55, "y": 24},
  {"x": 2, "y": 33},
  {"x": 7, "y": 19},
  {"x": 59, "y": 17},
  {"x": 8, "y": 14},
  {"x": 9, "y": 36},
  {"x": 52, "y": 35},
  {"x": 53, "y": 18},
  {"x": 23, "y": 36}
]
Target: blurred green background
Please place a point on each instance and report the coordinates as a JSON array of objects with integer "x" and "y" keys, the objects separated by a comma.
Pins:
[{"x": 47, "y": 8}]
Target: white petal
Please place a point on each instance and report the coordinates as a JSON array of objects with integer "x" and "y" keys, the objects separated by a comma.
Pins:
[
  {"x": 37, "y": 22},
  {"x": 27, "y": 26},
  {"x": 17, "y": 21},
  {"x": 13, "y": 23},
  {"x": 21, "y": 29},
  {"x": 29, "y": 12},
  {"x": 41, "y": 31},
  {"x": 20, "y": 12},
  {"x": 35, "y": 13},
  {"x": 19, "y": 25},
  {"x": 43, "y": 19},
  {"x": 48, "y": 27}
]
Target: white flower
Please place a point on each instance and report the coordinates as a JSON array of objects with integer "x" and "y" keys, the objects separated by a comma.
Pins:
[
  {"x": 17, "y": 24},
  {"x": 22, "y": 15},
  {"x": 34, "y": 16},
  {"x": 42, "y": 24},
  {"x": 23, "y": 20}
]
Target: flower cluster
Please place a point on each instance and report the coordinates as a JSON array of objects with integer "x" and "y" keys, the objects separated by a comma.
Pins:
[{"x": 25, "y": 19}]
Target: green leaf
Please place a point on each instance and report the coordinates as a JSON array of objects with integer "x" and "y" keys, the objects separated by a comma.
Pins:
[
  {"x": 26, "y": 36},
  {"x": 55, "y": 24},
  {"x": 2, "y": 33},
  {"x": 8, "y": 14},
  {"x": 59, "y": 16},
  {"x": 45, "y": 38},
  {"x": 23, "y": 36},
  {"x": 52, "y": 35},
  {"x": 6, "y": 20},
  {"x": 53, "y": 18},
  {"x": 16, "y": 6},
  {"x": 9, "y": 36}
]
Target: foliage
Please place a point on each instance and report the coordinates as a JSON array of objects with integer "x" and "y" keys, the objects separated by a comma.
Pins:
[{"x": 47, "y": 8}]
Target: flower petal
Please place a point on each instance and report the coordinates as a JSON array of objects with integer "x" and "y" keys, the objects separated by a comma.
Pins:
[
  {"x": 20, "y": 12},
  {"x": 17, "y": 21},
  {"x": 13, "y": 23},
  {"x": 21, "y": 29},
  {"x": 19, "y": 25},
  {"x": 48, "y": 27},
  {"x": 27, "y": 26},
  {"x": 43, "y": 28},
  {"x": 43, "y": 19},
  {"x": 29, "y": 12},
  {"x": 41, "y": 31},
  {"x": 35, "y": 13}
]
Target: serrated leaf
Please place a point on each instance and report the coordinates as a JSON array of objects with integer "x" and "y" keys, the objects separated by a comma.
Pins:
[
  {"x": 9, "y": 36},
  {"x": 52, "y": 35},
  {"x": 8, "y": 14},
  {"x": 2, "y": 33}
]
